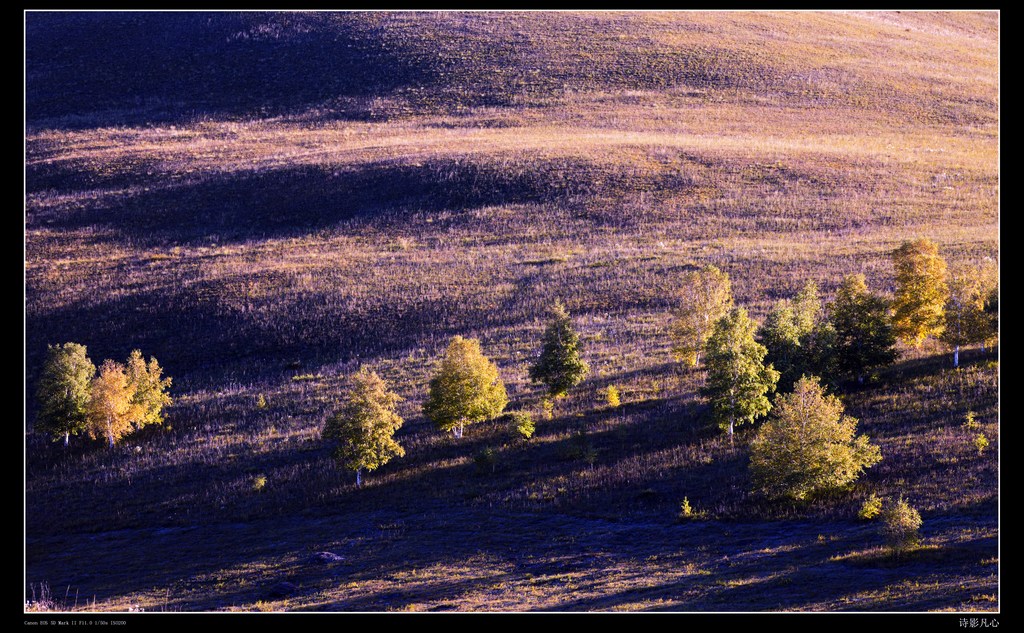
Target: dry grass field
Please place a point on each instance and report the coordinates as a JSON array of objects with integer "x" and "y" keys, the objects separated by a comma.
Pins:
[{"x": 265, "y": 202}]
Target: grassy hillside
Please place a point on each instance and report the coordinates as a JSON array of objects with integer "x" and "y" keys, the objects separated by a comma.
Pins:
[{"x": 265, "y": 202}]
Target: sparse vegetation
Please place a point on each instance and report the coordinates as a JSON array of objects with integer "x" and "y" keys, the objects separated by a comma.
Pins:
[
  {"x": 611, "y": 396},
  {"x": 521, "y": 424},
  {"x": 871, "y": 508}
]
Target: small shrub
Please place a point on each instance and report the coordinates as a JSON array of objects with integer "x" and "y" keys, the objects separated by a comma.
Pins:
[
  {"x": 900, "y": 524},
  {"x": 486, "y": 459},
  {"x": 981, "y": 443},
  {"x": 872, "y": 507},
  {"x": 687, "y": 511},
  {"x": 259, "y": 482},
  {"x": 612, "y": 396},
  {"x": 581, "y": 448},
  {"x": 521, "y": 424},
  {"x": 970, "y": 423},
  {"x": 547, "y": 405},
  {"x": 261, "y": 402}
]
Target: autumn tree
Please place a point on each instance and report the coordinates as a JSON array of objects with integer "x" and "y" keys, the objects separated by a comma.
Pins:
[
  {"x": 465, "y": 389},
  {"x": 992, "y": 312},
  {"x": 965, "y": 319},
  {"x": 990, "y": 290},
  {"x": 738, "y": 381},
  {"x": 559, "y": 365},
  {"x": 63, "y": 391},
  {"x": 110, "y": 410},
  {"x": 920, "y": 291},
  {"x": 705, "y": 297},
  {"x": 365, "y": 425},
  {"x": 863, "y": 332},
  {"x": 149, "y": 390},
  {"x": 808, "y": 445}
]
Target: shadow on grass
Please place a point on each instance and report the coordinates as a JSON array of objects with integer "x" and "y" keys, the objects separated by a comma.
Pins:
[
  {"x": 109, "y": 68},
  {"x": 295, "y": 201}
]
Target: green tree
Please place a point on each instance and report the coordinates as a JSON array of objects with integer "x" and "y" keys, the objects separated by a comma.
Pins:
[
  {"x": 149, "y": 390},
  {"x": 365, "y": 425},
  {"x": 705, "y": 297},
  {"x": 864, "y": 339},
  {"x": 63, "y": 391},
  {"x": 110, "y": 410},
  {"x": 808, "y": 445},
  {"x": 992, "y": 312},
  {"x": 466, "y": 388},
  {"x": 990, "y": 290},
  {"x": 738, "y": 381},
  {"x": 559, "y": 365},
  {"x": 920, "y": 291},
  {"x": 965, "y": 319},
  {"x": 793, "y": 333}
]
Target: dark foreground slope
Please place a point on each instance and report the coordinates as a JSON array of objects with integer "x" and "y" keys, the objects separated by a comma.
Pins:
[{"x": 266, "y": 201}]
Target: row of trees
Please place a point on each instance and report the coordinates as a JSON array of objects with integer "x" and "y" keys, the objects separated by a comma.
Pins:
[
  {"x": 118, "y": 399},
  {"x": 465, "y": 389},
  {"x": 808, "y": 444},
  {"x": 857, "y": 332}
]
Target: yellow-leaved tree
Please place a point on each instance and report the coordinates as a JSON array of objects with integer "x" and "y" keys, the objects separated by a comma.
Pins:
[
  {"x": 466, "y": 388},
  {"x": 365, "y": 425},
  {"x": 110, "y": 410},
  {"x": 921, "y": 291},
  {"x": 808, "y": 445},
  {"x": 705, "y": 296},
  {"x": 149, "y": 390},
  {"x": 965, "y": 319}
]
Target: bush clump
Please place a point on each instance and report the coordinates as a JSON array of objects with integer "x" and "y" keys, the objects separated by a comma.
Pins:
[{"x": 900, "y": 525}]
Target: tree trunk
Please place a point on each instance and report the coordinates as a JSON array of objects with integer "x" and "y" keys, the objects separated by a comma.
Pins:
[
  {"x": 359, "y": 477},
  {"x": 67, "y": 434},
  {"x": 956, "y": 356},
  {"x": 457, "y": 431},
  {"x": 730, "y": 432}
]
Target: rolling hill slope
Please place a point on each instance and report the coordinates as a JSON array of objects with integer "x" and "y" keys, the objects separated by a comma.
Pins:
[{"x": 266, "y": 201}]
